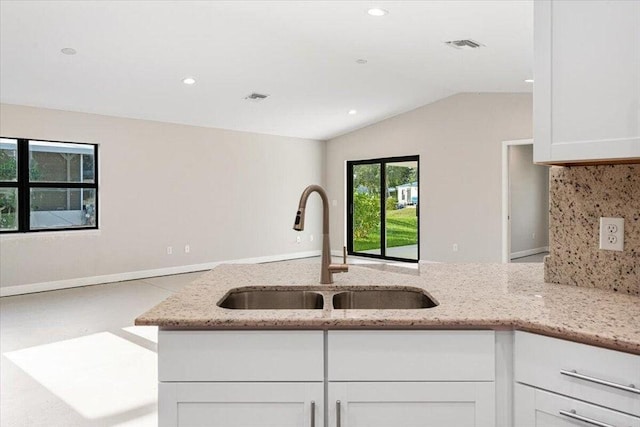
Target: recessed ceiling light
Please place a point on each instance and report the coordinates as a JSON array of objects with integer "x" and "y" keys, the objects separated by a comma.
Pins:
[
  {"x": 377, "y": 12},
  {"x": 68, "y": 51},
  {"x": 529, "y": 81},
  {"x": 352, "y": 112},
  {"x": 361, "y": 61},
  {"x": 189, "y": 80}
]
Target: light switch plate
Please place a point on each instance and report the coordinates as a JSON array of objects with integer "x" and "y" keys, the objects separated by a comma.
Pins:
[{"x": 612, "y": 234}]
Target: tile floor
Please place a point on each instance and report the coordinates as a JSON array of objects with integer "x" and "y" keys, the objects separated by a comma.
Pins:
[{"x": 73, "y": 357}]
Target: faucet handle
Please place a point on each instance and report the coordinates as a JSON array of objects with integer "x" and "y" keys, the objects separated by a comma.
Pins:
[{"x": 340, "y": 268}]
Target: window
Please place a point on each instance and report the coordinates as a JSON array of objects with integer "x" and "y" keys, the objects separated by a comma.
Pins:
[
  {"x": 382, "y": 208},
  {"x": 46, "y": 185}
]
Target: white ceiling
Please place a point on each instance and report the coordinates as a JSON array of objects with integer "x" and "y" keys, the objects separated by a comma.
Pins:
[{"x": 132, "y": 56}]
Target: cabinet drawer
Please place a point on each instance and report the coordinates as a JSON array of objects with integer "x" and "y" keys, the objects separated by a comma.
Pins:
[
  {"x": 537, "y": 408},
  {"x": 411, "y": 355},
  {"x": 240, "y": 356},
  {"x": 578, "y": 370}
]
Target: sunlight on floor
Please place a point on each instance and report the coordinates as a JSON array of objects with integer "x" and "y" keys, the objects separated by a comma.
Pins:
[{"x": 99, "y": 375}]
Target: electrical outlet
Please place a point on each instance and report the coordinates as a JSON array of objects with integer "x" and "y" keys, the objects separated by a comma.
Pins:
[
  {"x": 612, "y": 234},
  {"x": 187, "y": 249},
  {"x": 455, "y": 247},
  {"x": 169, "y": 250}
]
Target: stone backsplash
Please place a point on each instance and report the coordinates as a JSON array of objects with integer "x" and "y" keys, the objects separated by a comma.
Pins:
[{"x": 578, "y": 197}]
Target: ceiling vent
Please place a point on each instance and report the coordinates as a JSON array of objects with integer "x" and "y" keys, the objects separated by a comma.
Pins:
[
  {"x": 256, "y": 97},
  {"x": 464, "y": 44}
]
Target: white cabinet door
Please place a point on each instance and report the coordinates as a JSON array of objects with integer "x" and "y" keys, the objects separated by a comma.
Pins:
[
  {"x": 411, "y": 404},
  {"x": 587, "y": 80},
  {"x": 241, "y": 404},
  {"x": 537, "y": 408}
]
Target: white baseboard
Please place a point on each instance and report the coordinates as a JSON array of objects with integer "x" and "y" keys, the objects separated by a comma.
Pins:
[
  {"x": 529, "y": 252},
  {"x": 142, "y": 274}
]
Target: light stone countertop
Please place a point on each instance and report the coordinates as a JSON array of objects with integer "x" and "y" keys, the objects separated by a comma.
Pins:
[{"x": 470, "y": 296}]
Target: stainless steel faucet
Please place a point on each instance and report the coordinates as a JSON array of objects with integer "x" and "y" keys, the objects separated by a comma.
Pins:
[{"x": 327, "y": 269}]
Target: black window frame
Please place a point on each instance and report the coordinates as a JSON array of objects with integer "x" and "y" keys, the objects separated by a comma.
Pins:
[
  {"x": 383, "y": 215},
  {"x": 24, "y": 186}
]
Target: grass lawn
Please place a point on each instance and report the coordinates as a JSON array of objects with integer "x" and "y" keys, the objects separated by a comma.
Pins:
[
  {"x": 402, "y": 230},
  {"x": 8, "y": 221}
]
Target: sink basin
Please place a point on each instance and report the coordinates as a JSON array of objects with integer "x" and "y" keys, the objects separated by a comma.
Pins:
[
  {"x": 382, "y": 299},
  {"x": 272, "y": 300}
]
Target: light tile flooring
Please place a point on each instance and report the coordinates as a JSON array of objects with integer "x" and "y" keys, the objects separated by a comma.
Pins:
[{"x": 73, "y": 357}]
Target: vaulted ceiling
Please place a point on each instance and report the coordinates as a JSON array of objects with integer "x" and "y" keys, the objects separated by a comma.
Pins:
[{"x": 131, "y": 58}]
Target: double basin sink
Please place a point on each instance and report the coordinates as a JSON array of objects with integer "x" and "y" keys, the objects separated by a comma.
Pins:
[{"x": 379, "y": 298}]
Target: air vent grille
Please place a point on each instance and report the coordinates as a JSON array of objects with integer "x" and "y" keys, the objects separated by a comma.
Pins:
[
  {"x": 256, "y": 97},
  {"x": 464, "y": 44}
]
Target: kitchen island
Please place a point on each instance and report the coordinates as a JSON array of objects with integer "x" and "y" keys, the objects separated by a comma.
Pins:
[{"x": 458, "y": 363}]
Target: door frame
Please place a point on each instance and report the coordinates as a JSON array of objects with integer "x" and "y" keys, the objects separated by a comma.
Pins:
[
  {"x": 506, "y": 197},
  {"x": 349, "y": 206}
]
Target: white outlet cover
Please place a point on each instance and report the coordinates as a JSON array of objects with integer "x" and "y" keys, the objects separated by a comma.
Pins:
[{"x": 612, "y": 241}]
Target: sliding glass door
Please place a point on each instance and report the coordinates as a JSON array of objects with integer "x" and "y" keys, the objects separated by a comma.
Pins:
[{"x": 383, "y": 214}]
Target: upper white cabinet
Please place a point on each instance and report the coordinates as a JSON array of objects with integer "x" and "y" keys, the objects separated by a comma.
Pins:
[{"x": 587, "y": 81}]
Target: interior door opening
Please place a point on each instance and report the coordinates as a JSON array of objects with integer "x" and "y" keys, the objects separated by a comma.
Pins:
[
  {"x": 383, "y": 208},
  {"x": 525, "y": 199}
]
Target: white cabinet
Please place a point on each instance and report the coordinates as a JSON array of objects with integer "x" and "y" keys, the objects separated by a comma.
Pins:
[
  {"x": 279, "y": 378},
  {"x": 241, "y": 378},
  {"x": 240, "y": 404},
  {"x": 604, "y": 377},
  {"x": 425, "y": 404},
  {"x": 411, "y": 378},
  {"x": 587, "y": 81},
  {"x": 399, "y": 378},
  {"x": 538, "y": 408},
  {"x": 561, "y": 383}
]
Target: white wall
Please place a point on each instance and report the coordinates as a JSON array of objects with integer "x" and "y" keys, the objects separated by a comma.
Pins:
[
  {"x": 459, "y": 142},
  {"x": 227, "y": 194},
  {"x": 529, "y": 189}
]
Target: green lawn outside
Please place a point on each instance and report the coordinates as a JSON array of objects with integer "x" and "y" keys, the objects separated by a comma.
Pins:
[
  {"x": 8, "y": 221},
  {"x": 402, "y": 230}
]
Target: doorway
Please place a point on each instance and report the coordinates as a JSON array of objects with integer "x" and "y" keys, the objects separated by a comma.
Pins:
[
  {"x": 525, "y": 204},
  {"x": 383, "y": 208}
]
